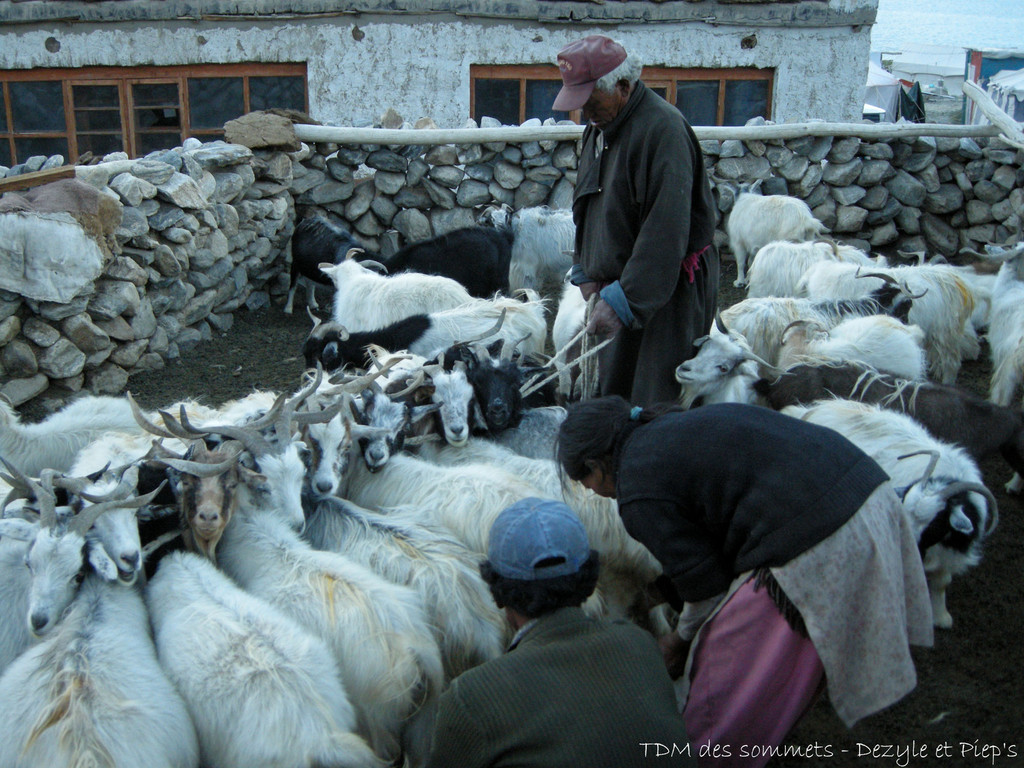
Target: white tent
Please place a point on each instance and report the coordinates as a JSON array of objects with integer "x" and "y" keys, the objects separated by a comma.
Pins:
[
  {"x": 927, "y": 64},
  {"x": 883, "y": 92},
  {"x": 1006, "y": 87}
]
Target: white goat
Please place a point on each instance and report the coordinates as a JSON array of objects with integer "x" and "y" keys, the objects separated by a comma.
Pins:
[
  {"x": 880, "y": 341},
  {"x": 942, "y": 308},
  {"x": 262, "y": 692},
  {"x": 91, "y": 692},
  {"x": 569, "y": 321},
  {"x": 724, "y": 370},
  {"x": 757, "y": 220},
  {"x": 1006, "y": 327},
  {"x": 376, "y": 630},
  {"x": 15, "y": 582},
  {"x": 55, "y": 442},
  {"x": 542, "y": 246},
  {"x": 365, "y": 300},
  {"x": 468, "y": 625},
  {"x": 626, "y": 565},
  {"x": 948, "y": 506},
  {"x": 778, "y": 266}
]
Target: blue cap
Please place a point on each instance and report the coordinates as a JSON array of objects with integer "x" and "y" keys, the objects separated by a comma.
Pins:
[{"x": 537, "y": 539}]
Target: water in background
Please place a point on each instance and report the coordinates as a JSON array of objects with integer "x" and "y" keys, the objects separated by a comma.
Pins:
[{"x": 964, "y": 23}]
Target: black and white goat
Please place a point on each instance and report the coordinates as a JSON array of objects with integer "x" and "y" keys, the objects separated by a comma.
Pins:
[
  {"x": 518, "y": 321},
  {"x": 944, "y": 498},
  {"x": 316, "y": 239}
]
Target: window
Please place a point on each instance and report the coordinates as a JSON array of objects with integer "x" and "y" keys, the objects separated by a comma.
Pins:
[
  {"x": 99, "y": 110},
  {"x": 514, "y": 94}
]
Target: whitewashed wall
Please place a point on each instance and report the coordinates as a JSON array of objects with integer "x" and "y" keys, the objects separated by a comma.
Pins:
[{"x": 360, "y": 65}]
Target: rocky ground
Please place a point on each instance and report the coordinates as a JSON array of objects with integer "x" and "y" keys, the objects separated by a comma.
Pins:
[{"x": 969, "y": 691}]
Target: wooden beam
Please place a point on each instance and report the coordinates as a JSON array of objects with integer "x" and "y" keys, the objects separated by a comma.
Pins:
[
  {"x": 429, "y": 137},
  {"x": 36, "y": 178}
]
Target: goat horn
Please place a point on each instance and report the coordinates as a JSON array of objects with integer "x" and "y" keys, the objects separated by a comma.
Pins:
[
  {"x": 176, "y": 428},
  {"x": 125, "y": 485},
  {"x": 247, "y": 436},
  {"x": 24, "y": 487},
  {"x": 319, "y": 417},
  {"x": 417, "y": 381},
  {"x": 880, "y": 275},
  {"x": 931, "y": 464},
  {"x": 374, "y": 265},
  {"x": 493, "y": 330},
  {"x": 201, "y": 468},
  {"x": 954, "y": 488},
  {"x": 316, "y": 320},
  {"x": 158, "y": 542},
  {"x": 144, "y": 422},
  {"x": 352, "y": 252},
  {"x": 84, "y": 520},
  {"x": 720, "y": 323}
]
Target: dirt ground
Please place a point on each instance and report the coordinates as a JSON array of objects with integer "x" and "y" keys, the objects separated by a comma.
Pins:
[{"x": 968, "y": 704}]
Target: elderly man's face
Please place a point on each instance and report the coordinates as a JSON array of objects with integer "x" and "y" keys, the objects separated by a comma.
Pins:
[{"x": 603, "y": 106}]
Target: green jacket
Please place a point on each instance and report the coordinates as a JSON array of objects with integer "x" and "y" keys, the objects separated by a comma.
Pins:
[{"x": 574, "y": 691}]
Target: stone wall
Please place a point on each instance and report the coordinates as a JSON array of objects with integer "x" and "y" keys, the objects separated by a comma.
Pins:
[
  {"x": 936, "y": 194},
  {"x": 204, "y": 226}
]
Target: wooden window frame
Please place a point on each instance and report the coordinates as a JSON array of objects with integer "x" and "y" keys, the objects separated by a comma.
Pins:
[
  {"x": 124, "y": 78},
  {"x": 657, "y": 77}
]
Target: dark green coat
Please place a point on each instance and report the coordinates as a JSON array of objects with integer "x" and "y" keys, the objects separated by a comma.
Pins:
[
  {"x": 575, "y": 691},
  {"x": 641, "y": 205}
]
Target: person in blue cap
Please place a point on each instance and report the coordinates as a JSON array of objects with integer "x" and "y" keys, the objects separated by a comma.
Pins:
[{"x": 572, "y": 689}]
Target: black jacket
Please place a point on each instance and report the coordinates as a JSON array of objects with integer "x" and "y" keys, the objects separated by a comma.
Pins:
[{"x": 723, "y": 489}]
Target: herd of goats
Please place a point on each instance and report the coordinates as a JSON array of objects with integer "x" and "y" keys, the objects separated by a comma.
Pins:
[{"x": 291, "y": 579}]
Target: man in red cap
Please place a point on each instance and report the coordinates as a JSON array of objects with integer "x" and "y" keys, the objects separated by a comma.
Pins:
[{"x": 645, "y": 221}]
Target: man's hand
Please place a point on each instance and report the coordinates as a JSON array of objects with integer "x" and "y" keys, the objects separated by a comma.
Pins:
[
  {"x": 603, "y": 320},
  {"x": 588, "y": 289}
]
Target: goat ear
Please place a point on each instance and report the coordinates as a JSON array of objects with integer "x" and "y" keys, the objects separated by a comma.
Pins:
[
  {"x": 101, "y": 562},
  {"x": 17, "y": 529}
]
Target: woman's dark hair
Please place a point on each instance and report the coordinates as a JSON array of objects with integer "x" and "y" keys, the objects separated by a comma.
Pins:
[
  {"x": 593, "y": 428},
  {"x": 536, "y": 598}
]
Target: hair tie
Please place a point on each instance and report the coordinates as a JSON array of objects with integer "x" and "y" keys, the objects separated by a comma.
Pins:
[{"x": 634, "y": 414}]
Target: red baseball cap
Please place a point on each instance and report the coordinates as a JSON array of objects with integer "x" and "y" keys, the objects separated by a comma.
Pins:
[{"x": 582, "y": 64}]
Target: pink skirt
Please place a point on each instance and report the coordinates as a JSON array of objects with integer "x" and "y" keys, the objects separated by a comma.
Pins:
[{"x": 751, "y": 680}]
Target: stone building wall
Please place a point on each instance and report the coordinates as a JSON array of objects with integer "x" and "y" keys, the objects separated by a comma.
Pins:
[{"x": 204, "y": 227}]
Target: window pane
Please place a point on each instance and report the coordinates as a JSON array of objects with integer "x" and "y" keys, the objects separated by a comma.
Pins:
[
  {"x": 498, "y": 99},
  {"x": 280, "y": 92},
  {"x": 100, "y": 144},
  {"x": 157, "y": 117},
  {"x": 37, "y": 106},
  {"x": 27, "y": 146},
  {"x": 150, "y": 142},
  {"x": 95, "y": 96},
  {"x": 3, "y": 110},
  {"x": 212, "y": 101},
  {"x": 98, "y": 120},
  {"x": 539, "y": 96},
  {"x": 5, "y": 153},
  {"x": 661, "y": 90},
  {"x": 155, "y": 94},
  {"x": 745, "y": 99},
  {"x": 698, "y": 101}
]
